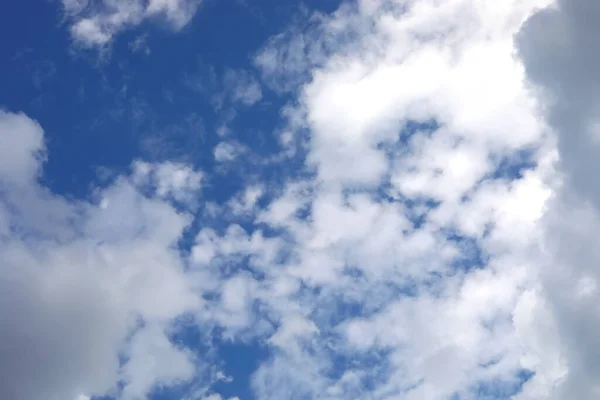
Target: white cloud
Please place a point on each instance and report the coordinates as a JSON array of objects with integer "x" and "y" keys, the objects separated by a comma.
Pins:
[
  {"x": 154, "y": 360},
  {"x": 20, "y": 155},
  {"x": 74, "y": 6},
  {"x": 98, "y": 23},
  {"x": 238, "y": 87},
  {"x": 236, "y": 300},
  {"x": 216, "y": 396},
  {"x": 243, "y": 87},
  {"x": 76, "y": 277},
  {"x": 90, "y": 33},
  {"x": 412, "y": 229},
  {"x": 140, "y": 45},
  {"x": 228, "y": 151},
  {"x": 403, "y": 246},
  {"x": 170, "y": 180},
  {"x": 245, "y": 203},
  {"x": 292, "y": 330}
]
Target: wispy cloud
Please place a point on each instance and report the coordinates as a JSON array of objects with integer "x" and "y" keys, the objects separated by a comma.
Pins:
[{"x": 97, "y": 23}]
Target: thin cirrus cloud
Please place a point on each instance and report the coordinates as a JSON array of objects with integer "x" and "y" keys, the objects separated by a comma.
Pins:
[{"x": 436, "y": 240}]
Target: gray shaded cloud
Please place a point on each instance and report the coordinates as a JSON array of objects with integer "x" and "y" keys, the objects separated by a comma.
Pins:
[{"x": 559, "y": 49}]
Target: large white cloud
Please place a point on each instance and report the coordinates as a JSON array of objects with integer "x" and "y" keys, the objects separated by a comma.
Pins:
[
  {"x": 414, "y": 247},
  {"x": 78, "y": 278}
]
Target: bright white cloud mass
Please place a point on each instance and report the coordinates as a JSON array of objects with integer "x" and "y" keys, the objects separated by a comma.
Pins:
[{"x": 436, "y": 241}]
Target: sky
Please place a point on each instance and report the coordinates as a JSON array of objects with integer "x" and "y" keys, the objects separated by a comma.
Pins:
[{"x": 266, "y": 200}]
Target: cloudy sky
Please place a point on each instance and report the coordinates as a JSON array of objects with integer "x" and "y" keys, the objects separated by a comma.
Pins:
[{"x": 274, "y": 200}]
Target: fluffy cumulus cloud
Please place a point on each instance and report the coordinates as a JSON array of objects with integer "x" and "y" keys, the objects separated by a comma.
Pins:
[
  {"x": 97, "y": 22},
  {"x": 89, "y": 290},
  {"x": 435, "y": 241},
  {"x": 416, "y": 239}
]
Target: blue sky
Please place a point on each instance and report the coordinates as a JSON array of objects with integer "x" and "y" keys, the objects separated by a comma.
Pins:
[
  {"x": 264, "y": 200},
  {"x": 90, "y": 100}
]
